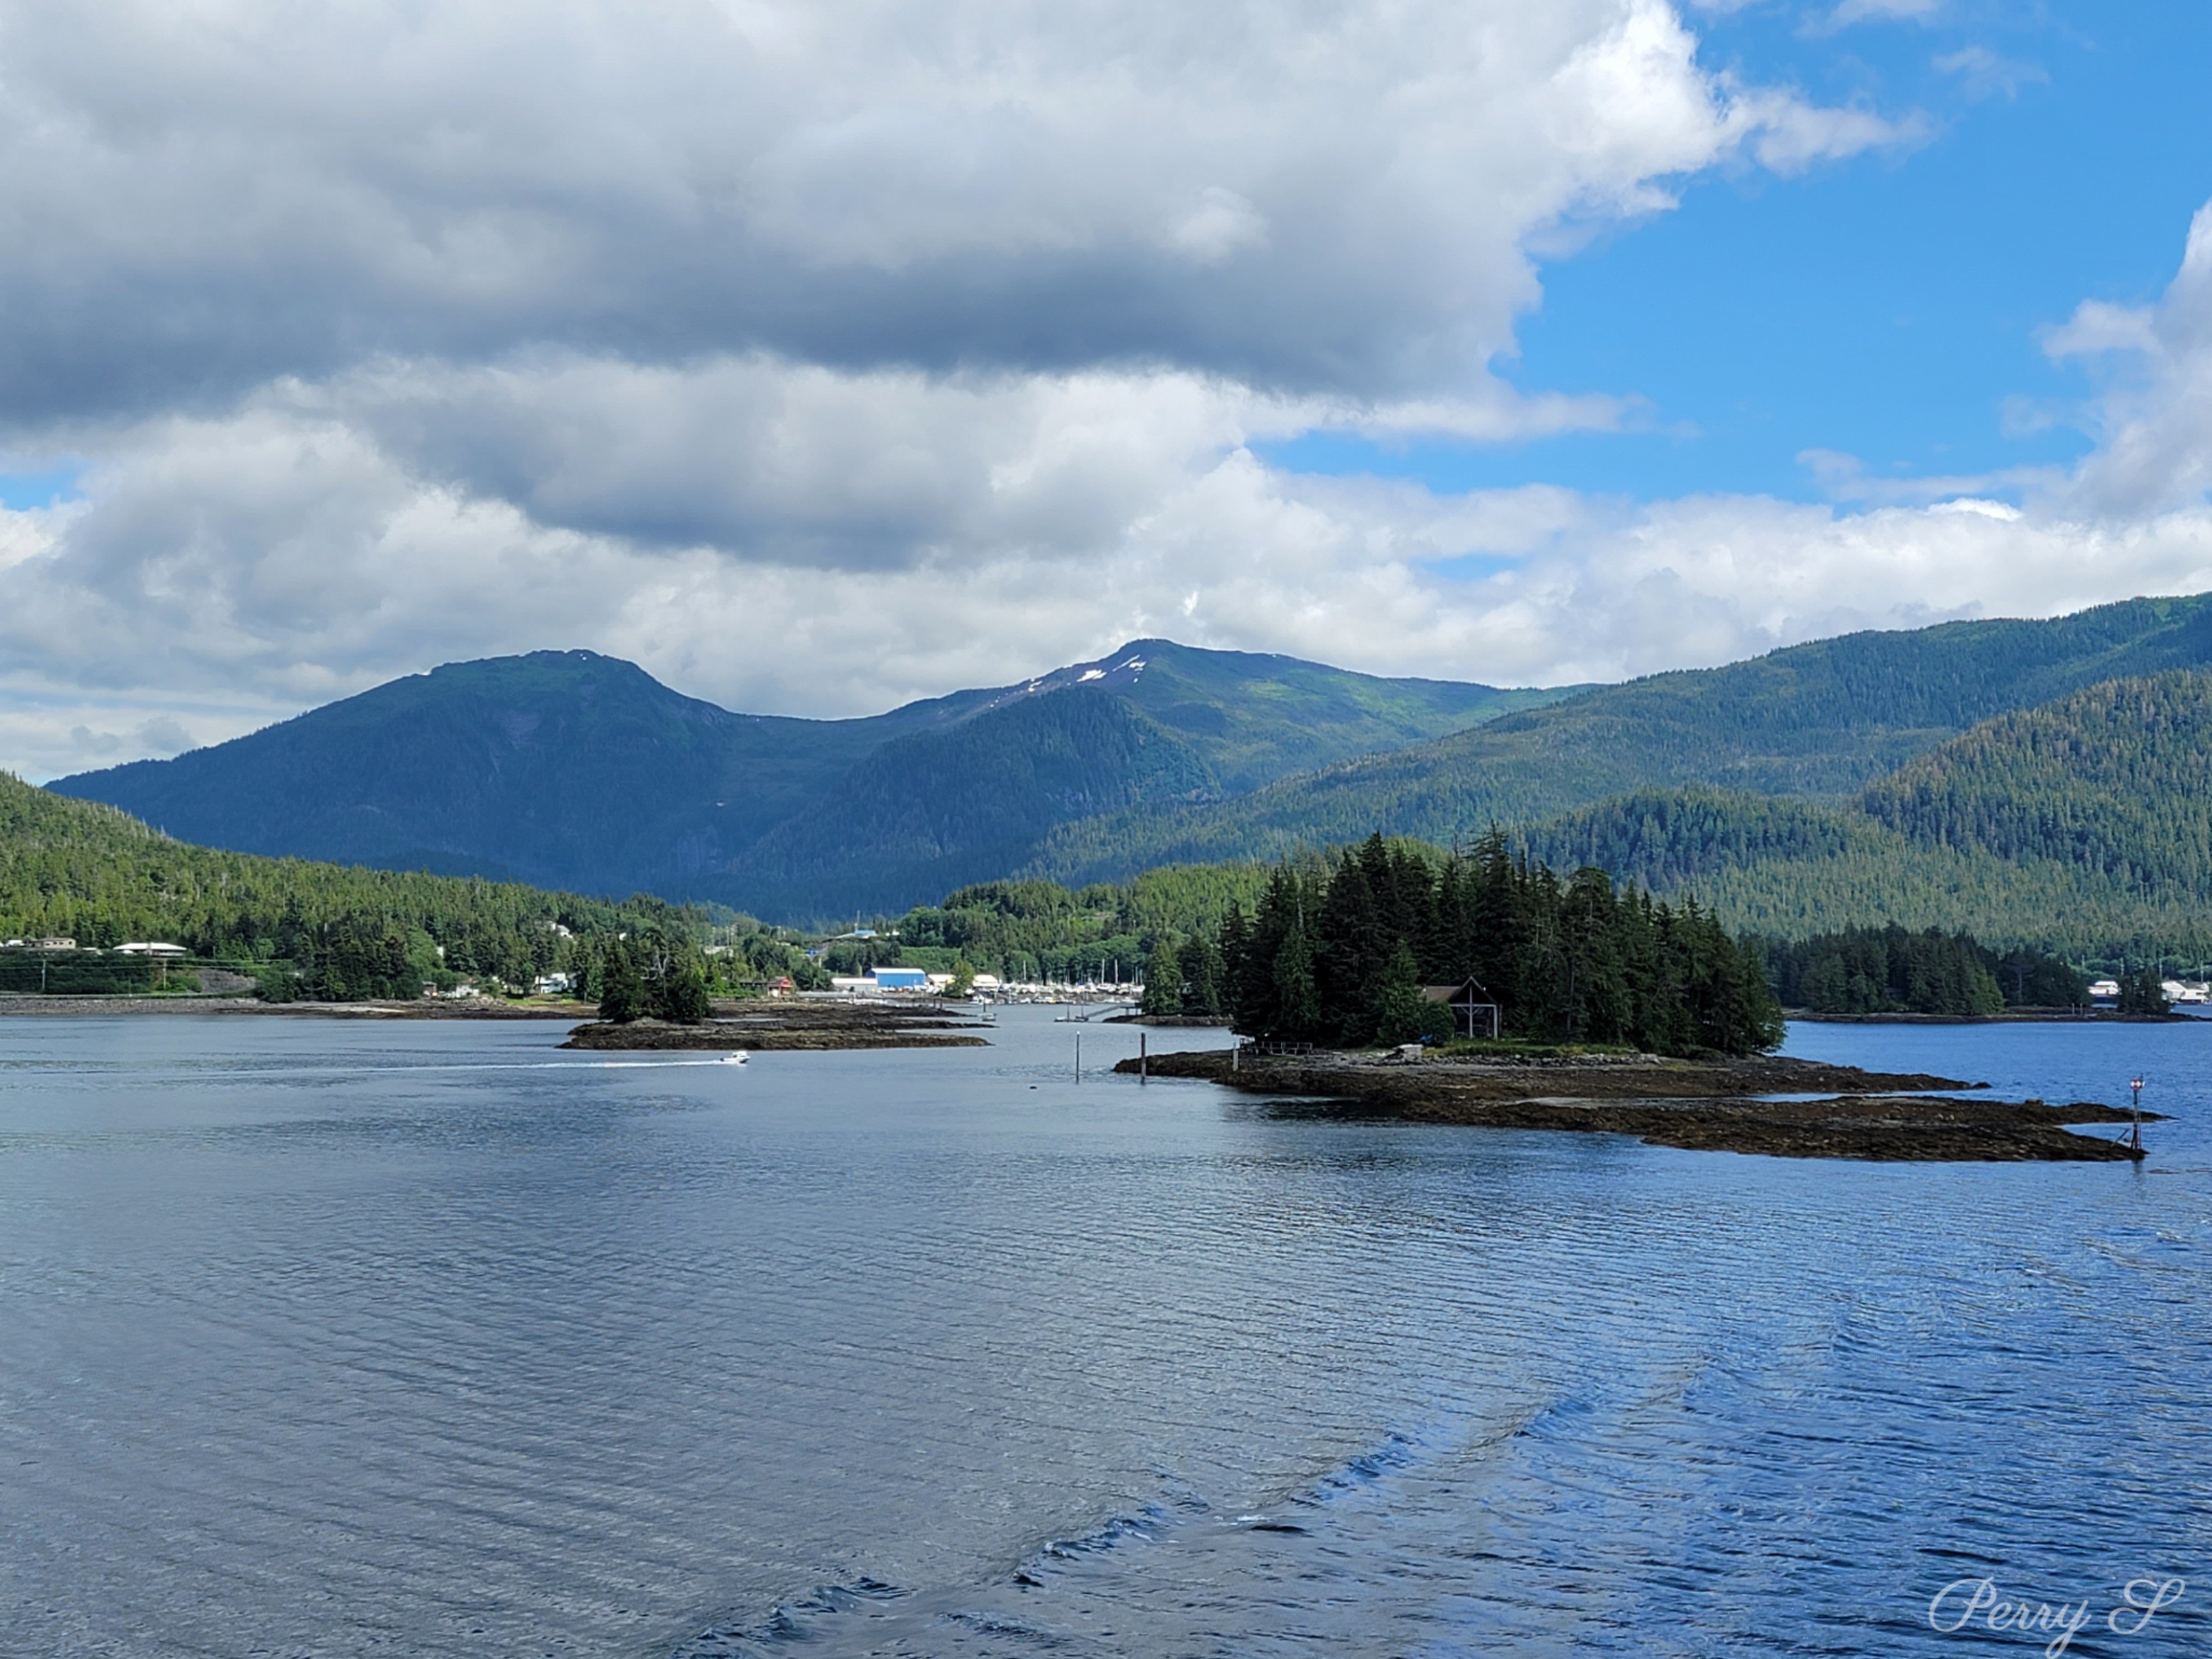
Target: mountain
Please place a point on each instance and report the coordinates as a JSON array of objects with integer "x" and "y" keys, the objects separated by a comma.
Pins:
[
  {"x": 2081, "y": 824},
  {"x": 892, "y": 831},
  {"x": 571, "y": 770},
  {"x": 1948, "y": 772},
  {"x": 1819, "y": 721},
  {"x": 565, "y": 768}
]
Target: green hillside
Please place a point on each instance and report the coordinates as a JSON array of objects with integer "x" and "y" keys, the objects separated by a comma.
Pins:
[
  {"x": 2115, "y": 781},
  {"x": 2032, "y": 781},
  {"x": 2085, "y": 824},
  {"x": 79, "y": 870},
  {"x": 1820, "y": 721}
]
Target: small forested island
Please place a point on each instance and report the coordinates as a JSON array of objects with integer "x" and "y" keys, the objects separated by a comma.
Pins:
[{"x": 1601, "y": 1009}]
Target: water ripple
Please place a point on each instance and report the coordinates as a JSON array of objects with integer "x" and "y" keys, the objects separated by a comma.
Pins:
[{"x": 318, "y": 1340}]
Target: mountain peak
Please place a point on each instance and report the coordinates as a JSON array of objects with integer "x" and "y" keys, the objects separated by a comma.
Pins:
[{"x": 577, "y": 770}]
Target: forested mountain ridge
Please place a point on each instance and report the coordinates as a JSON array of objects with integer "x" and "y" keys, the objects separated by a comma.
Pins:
[
  {"x": 1821, "y": 720},
  {"x": 2085, "y": 824},
  {"x": 1970, "y": 775},
  {"x": 572, "y": 769},
  {"x": 2115, "y": 781},
  {"x": 941, "y": 810},
  {"x": 1254, "y": 718},
  {"x": 1793, "y": 869},
  {"x": 562, "y": 768}
]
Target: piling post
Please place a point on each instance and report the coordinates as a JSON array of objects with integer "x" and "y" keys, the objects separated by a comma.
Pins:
[{"x": 1143, "y": 1076}]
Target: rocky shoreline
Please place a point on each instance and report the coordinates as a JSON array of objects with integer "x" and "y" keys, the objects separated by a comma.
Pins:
[
  {"x": 1717, "y": 1105},
  {"x": 789, "y": 1024}
]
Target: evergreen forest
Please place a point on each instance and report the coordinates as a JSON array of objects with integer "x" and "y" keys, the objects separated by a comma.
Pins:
[{"x": 1340, "y": 954}]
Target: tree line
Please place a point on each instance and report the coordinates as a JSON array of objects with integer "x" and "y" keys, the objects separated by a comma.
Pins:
[
  {"x": 1878, "y": 970},
  {"x": 1340, "y": 953}
]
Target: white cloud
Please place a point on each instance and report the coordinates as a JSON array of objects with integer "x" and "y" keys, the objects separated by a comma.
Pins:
[
  {"x": 999, "y": 527},
  {"x": 1844, "y": 478},
  {"x": 1221, "y": 224},
  {"x": 1849, "y": 12},
  {"x": 2154, "y": 421},
  {"x": 1786, "y": 135},
  {"x": 819, "y": 358},
  {"x": 1986, "y": 74},
  {"x": 205, "y": 194}
]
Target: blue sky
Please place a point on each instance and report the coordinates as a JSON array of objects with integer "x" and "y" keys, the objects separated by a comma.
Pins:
[
  {"x": 42, "y": 487},
  {"x": 1886, "y": 307}
]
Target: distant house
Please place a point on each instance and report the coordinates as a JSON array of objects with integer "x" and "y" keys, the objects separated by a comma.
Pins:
[
  {"x": 2104, "y": 990},
  {"x": 1474, "y": 1011},
  {"x": 550, "y": 985},
  {"x": 152, "y": 948},
  {"x": 899, "y": 979},
  {"x": 53, "y": 944}
]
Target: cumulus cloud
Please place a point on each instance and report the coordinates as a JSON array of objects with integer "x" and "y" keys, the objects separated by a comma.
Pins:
[
  {"x": 2155, "y": 418},
  {"x": 820, "y": 358},
  {"x": 310, "y": 548},
  {"x": 221, "y": 192},
  {"x": 1844, "y": 478}
]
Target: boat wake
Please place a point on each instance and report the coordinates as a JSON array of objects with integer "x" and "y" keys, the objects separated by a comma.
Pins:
[{"x": 1084, "y": 1595}]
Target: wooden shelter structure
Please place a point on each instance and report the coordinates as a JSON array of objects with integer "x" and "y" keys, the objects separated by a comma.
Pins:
[{"x": 1471, "y": 1003}]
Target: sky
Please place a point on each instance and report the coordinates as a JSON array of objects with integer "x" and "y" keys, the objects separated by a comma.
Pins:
[{"x": 821, "y": 358}]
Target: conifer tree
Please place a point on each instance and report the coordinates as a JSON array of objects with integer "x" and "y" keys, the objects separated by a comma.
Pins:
[
  {"x": 622, "y": 987},
  {"x": 1164, "y": 978},
  {"x": 1296, "y": 1003},
  {"x": 1399, "y": 1014}
]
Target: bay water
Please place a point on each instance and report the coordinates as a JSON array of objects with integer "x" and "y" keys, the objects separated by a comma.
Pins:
[{"x": 326, "y": 1337}]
